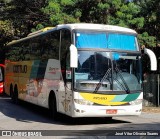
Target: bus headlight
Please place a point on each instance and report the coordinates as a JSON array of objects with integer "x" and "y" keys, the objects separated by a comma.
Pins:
[
  {"x": 136, "y": 102},
  {"x": 83, "y": 102}
]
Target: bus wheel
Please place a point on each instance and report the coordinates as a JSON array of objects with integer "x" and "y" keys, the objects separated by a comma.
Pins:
[
  {"x": 11, "y": 93},
  {"x": 53, "y": 106},
  {"x": 15, "y": 95}
]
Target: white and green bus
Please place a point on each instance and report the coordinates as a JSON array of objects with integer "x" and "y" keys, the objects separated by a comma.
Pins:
[{"x": 80, "y": 70}]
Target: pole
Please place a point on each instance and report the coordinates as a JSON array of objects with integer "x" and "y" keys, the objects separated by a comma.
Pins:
[{"x": 158, "y": 89}]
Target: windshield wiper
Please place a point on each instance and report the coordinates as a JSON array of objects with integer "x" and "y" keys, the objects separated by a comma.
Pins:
[
  {"x": 101, "y": 81},
  {"x": 126, "y": 88}
]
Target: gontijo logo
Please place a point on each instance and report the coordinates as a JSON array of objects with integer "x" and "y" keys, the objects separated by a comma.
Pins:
[{"x": 20, "y": 68}]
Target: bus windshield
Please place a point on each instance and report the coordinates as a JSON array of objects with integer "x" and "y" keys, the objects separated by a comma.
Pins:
[{"x": 105, "y": 71}]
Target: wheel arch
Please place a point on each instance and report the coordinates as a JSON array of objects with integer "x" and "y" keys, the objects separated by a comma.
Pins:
[{"x": 52, "y": 97}]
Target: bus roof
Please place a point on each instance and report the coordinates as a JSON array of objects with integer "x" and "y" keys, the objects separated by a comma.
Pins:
[
  {"x": 40, "y": 31},
  {"x": 91, "y": 26},
  {"x": 87, "y": 26}
]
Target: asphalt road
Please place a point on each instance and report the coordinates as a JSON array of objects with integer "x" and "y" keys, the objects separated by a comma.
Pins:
[{"x": 33, "y": 120}]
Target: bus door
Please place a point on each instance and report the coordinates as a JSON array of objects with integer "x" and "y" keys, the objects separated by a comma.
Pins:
[{"x": 65, "y": 94}]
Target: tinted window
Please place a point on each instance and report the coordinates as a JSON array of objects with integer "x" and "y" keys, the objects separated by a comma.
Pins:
[
  {"x": 65, "y": 44},
  {"x": 49, "y": 48},
  {"x": 16, "y": 51},
  {"x": 41, "y": 47}
]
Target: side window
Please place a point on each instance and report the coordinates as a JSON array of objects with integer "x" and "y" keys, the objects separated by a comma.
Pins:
[
  {"x": 55, "y": 43},
  {"x": 35, "y": 48},
  {"x": 41, "y": 47},
  {"x": 64, "y": 53},
  {"x": 49, "y": 48},
  {"x": 10, "y": 51},
  {"x": 23, "y": 55},
  {"x": 15, "y": 52},
  {"x": 45, "y": 46},
  {"x": 26, "y": 50}
]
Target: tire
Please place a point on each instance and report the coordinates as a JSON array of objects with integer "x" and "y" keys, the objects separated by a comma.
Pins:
[
  {"x": 15, "y": 95},
  {"x": 11, "y": 93},
  {"x": 53, "y": 107}
]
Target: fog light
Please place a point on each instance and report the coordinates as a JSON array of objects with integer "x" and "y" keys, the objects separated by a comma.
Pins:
[
  {"x": 83, "y": 102},
  {"x": 136, "y": 102}
]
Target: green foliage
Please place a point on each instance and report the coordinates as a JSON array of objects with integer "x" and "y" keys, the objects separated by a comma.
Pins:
[
  {"x": 6, "y": 29},
  {"x": 126, "y": 16},
  {"x": 22, "y": 17},
  {"x": 151, "y": 13},
  {"x": 6, "y": 33},
  {"x": 60, "y": 12},
  {"x": 145, "y": 39}
]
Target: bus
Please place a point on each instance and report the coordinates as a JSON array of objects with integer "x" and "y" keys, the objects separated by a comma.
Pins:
[
  {"x": 2, "y": 79},
  {"x": 80, "y": 70}
]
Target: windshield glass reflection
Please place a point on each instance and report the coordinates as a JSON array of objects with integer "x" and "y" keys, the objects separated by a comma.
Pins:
[{"x": 105, "y": 71}]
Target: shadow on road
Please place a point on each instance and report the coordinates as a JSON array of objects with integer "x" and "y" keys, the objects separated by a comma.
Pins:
[
  {"x": 29, "y": 113},
  {"x": 26, "y": 112}
]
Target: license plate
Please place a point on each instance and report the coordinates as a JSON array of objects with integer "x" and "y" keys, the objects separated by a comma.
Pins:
[{"x": 111, "y": 111}]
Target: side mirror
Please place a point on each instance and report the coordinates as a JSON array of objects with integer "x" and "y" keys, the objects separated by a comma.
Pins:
[
  {"x": 152, "y": 57},
  {"x": 73, "y": 56}
]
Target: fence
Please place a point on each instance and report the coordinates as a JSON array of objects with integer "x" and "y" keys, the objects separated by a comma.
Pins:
[{"x": 151, "y": 89}]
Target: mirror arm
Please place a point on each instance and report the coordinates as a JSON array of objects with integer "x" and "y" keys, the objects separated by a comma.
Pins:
[{"x": 152, "y": 57}]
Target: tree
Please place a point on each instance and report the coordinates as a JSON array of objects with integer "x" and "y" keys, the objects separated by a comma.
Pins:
[
  {"x": 18, "y": 17},
  {"x": 30, "y": 15},
  {"x": 61, "y": 11},
  {"x": 151, "y": 13},
  {"x": 146, "y": 40},
  {"x": 23, "y": 15}
]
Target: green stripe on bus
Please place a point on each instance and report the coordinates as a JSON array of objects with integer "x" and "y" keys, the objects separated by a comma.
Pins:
[{"x": 131, "y": 97}]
